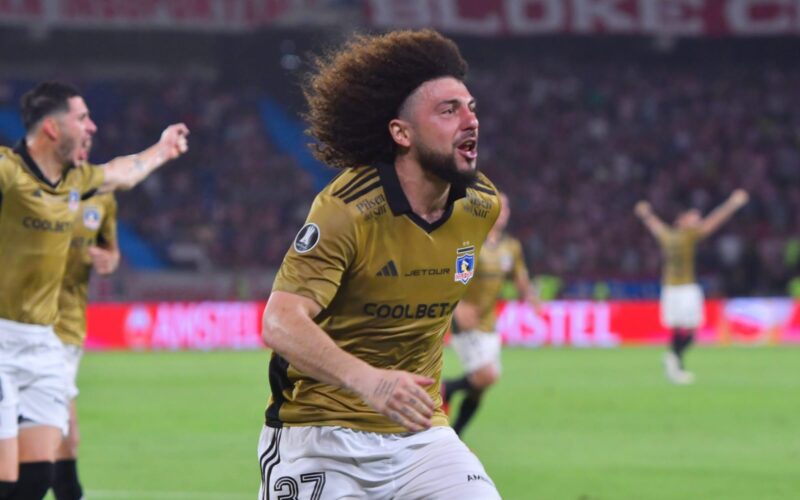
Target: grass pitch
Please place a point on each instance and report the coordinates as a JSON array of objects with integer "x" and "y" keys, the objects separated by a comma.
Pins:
[{"x": 561, "y": 424}]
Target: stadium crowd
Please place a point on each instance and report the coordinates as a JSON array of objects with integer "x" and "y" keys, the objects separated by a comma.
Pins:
[{"x": 575, "y": 145}]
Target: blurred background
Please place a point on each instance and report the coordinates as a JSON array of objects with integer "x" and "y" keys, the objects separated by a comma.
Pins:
[{"x": 585, "y": 106}]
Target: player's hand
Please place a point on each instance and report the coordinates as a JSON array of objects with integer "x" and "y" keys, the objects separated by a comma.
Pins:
[
  {"x": 104, "y": 261},
  {"x": 400, "y": 396},
  {"x": 467, "y": 316},
  {"x": 740, "y": 197},
  {"x": 642, "y": 209},
  {"x": 174, "y": 141}
]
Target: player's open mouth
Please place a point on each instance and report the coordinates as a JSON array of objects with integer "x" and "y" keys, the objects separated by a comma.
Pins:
[
  {"x": 469, "y": 149},
  {"x": 83, "y": 150}
]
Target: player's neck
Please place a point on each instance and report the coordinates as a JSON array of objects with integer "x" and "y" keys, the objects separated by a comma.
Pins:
[
  {"x": 426, "y": 193},
  {"x": 46, "y": 159}
]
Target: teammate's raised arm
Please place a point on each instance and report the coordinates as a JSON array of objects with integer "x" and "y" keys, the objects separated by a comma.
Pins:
[
  {"x": 125, "y": 172},
  {"x": 722, "y": 213},
  {"x": 644, "y": 211}
]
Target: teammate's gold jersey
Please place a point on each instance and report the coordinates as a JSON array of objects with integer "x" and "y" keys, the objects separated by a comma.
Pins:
[
  {"x": 497, "y": 262},
  {"x": 387, "y": 282},
  {"x": 96, "y": 224},
  {"x": 678, "y": 249},
  {"x": 36, "y": 220}
]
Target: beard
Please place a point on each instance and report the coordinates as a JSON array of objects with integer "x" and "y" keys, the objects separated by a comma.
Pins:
[
  {"x": 66, "y": 149},
  {"x": 444, "y": 167}
]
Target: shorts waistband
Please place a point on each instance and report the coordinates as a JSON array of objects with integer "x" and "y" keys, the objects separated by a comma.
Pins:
[{"x": 10, "y": 328}]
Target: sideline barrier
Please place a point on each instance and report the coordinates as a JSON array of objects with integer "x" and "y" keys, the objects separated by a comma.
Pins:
[{"x": 237, "y": 325}]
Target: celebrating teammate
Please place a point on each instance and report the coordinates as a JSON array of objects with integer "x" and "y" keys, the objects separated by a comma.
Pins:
[
  {"x": 93, "y": 245},
  {"x": 365, "y": 294},
  {"x": 681, "y": 296},
  {"x": 474, "y": 339},
  {"x": 42, "y": 181}
]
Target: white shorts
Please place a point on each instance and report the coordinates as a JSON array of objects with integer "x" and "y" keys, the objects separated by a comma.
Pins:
[
  {"x": 477, "y": 349},
  {"x": 682, "y": 306},
  {"x": 32, "y": 390},
  {"x": 324, "y": 463},
  {"x": 72, "y": 361}
]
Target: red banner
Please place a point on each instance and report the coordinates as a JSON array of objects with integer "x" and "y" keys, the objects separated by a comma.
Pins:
[
  {"x": 175, "y": 325},
  {"x": 237, "y": 325},
  {"x": 608, "y": 324},
  {"x": 589, "y": 17},
  {"x": 477, "y": 17}
]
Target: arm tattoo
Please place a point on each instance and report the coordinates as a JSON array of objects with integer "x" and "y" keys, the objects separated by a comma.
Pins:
[
  {"x": 138, "y": 164},
  {"x": 385, "y": 388}
]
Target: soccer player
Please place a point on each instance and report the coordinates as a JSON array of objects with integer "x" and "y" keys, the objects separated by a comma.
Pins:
[
  {"x": 474, "y": 338},
  {"x": 93, "y": 245},
  {"x": 42, "y": 181},
  {"x": 681, "y": 296},
  {"x": 365, "y": 294}
]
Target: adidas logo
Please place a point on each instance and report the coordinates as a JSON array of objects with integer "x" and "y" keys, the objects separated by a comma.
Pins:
[
  {"x": 388, "y": 270},
  {"x": 37, "y": 193}
]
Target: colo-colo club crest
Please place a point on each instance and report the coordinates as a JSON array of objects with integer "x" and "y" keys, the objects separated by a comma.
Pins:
[
  {"x": 91, "y": 217},
  {"x": 465, "y": 264}
]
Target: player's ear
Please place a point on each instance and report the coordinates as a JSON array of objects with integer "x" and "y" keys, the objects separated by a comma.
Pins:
[
  {"x": 400, "y": 132},
  {"x": 51, "y": 128}
]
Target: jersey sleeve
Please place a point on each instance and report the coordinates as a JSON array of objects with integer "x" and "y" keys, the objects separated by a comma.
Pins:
[
  {"x": 107, "y": 234},
  {"x": 484, "y": 190},
  {"x": 320, "y": 254},
  {"x": 8, "y": 172},
  {"x": 495, "y": 210},
  {"x": 92, "y": 177}
]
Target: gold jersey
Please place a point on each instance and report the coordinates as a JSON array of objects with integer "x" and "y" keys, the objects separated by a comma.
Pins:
[
  {"x": 497, "y": 262},
  {"x": 36, "y": 220},
  {"x": 678, "y": 250},
  {"x": 387, "y": 282},
  {"x": 95, "y": 224}
]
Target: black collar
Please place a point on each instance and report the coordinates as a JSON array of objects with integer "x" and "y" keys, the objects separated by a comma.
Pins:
[
  {"x": 21, "y": 148},
  {"x": 400, "y": 205}
]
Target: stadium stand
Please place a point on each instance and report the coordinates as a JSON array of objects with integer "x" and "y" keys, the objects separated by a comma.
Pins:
[{"x": 575, "y": 138}]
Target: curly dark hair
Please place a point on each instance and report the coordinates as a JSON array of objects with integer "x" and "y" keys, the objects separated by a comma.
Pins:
[{"x": 358, "y": 89}]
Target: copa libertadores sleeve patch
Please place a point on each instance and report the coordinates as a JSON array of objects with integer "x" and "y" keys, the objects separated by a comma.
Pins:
[{"x": 307, "y": 238}]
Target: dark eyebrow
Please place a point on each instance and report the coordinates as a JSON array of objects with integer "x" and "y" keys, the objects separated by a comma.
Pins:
[{"x": 457, "y": 102}]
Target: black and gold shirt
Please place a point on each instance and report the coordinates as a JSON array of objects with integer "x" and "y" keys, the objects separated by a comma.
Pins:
[
  {"x": 36, "y": 223},
  {"x": 96, "y": 224},
  {"x": 387, "y": 281}
]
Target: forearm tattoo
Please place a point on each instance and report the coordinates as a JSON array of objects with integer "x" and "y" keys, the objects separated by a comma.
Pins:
[{"x": 138, "y": 164}]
